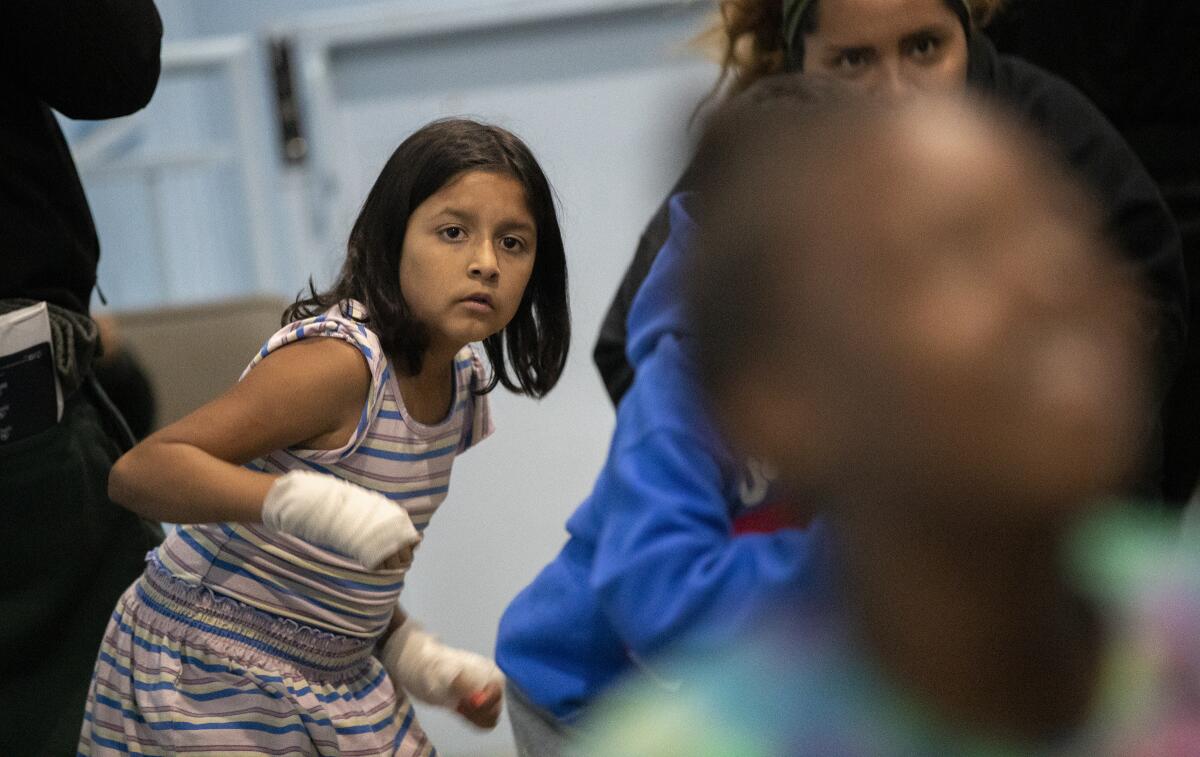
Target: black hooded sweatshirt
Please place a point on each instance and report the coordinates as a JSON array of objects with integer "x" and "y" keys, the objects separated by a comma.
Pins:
[{"x": 87, "y": 60}]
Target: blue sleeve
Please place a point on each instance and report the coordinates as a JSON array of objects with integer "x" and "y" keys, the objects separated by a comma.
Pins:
[{"x": 668, "y": 567}]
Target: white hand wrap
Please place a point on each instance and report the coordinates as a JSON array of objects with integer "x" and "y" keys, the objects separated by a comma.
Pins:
[
  {"x": 426, "y": 668},
  {"x": 330, "y": 512}
]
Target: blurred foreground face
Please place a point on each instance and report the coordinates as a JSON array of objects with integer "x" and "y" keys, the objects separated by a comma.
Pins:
[
  {"x": 1011, "y": 336},
  {"x": 959, "y": 328},
  {"x": 891, "y": 48}
]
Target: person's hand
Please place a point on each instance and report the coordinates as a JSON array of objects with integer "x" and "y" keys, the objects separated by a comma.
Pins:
[
  {"x": 334, "y": 513},
  {"x": 481, "y": 707},
  {"x": 435, "y": 673},
  {"x": 402, "y": 560}
]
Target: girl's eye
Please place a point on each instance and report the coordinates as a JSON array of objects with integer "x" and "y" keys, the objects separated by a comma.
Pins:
[
  {"x": 512, "y": 244},
  {"x": 453, "y": 233}
]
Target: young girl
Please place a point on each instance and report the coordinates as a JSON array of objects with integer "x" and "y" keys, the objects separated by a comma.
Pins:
[{"x": 269, "y": 624}]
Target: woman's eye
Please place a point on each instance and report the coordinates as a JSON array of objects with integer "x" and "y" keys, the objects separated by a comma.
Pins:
[
  {"x": 512, "y": 244},
  {"x": 453, "y": 233},
  {"x": 925, "y": 47},
  {"x": 851, "y": 61}
]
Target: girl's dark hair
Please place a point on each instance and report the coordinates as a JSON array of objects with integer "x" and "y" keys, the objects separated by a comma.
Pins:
[
  {"x": 749, "y": 37},
  {"x": 536, "y": 341}
]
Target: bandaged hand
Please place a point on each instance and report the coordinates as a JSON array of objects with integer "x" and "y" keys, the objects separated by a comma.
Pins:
[
  {"x": 333, "y": 513},
  {"x": 441, "y": 675}
]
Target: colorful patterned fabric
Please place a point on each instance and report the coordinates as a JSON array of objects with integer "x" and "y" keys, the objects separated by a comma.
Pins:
[
  {"x": 240, "y": 639},
  {"x": 806, "y": 688}
]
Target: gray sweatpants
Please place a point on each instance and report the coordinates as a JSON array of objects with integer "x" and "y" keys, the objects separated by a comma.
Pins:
[{"x": 537, "y": 732}]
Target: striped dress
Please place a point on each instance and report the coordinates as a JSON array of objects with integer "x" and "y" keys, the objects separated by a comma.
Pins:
[{"x": 239, "y": 639}]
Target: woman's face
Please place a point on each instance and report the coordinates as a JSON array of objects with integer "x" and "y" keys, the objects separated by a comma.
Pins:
[{"x": 890, "y": 48}]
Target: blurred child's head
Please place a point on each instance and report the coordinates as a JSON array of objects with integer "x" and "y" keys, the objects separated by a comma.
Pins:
[
  {"x": 910, "y": 303},
  {"x": 437, "y": 159}
]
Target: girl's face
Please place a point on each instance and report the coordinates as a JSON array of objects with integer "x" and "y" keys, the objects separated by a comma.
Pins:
[
  {"x": 890, "y": 48},
  {"x": 468, "y": 253}
]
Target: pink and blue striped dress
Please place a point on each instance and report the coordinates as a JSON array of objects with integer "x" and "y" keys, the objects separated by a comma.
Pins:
[{"x": 240, "y": 639}]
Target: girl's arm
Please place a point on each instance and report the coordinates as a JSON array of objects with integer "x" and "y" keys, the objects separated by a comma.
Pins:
[{"x": 309, "y": 393}]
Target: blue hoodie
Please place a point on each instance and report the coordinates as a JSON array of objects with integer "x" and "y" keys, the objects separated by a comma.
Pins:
[{"x": 652, "y": 561}]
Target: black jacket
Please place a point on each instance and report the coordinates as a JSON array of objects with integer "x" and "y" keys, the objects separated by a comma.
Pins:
[
  {"x": 87, "y": 60},
  {"x": 1137, "y": 217},
  {"x": 1135, "y": 59}
]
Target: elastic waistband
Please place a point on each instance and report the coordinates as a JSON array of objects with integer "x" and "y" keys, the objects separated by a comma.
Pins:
[{"x": 311, "y": 650}]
